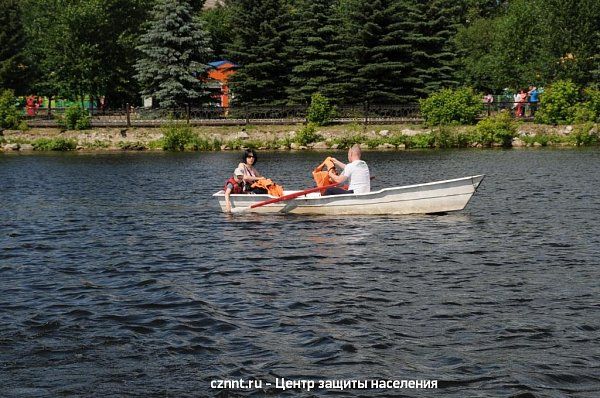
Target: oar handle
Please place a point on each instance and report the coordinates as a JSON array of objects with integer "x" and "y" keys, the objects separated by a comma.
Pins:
[{"x": 291, "y": 196}]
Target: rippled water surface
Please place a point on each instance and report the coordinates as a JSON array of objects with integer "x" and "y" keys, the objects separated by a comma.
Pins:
[{"x": 120, "y": 277}]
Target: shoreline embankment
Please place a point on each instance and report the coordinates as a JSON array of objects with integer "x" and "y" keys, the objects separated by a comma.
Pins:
[{"x": 290, "y": 137}]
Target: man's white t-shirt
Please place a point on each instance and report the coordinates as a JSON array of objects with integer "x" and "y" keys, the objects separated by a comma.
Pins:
[{"x": 359, "y": 179}]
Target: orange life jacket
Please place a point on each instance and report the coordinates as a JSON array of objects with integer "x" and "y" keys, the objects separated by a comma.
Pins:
[
  {"x": 322, "y": 177},
  {"x": 272, "y": 188},
  {"x": 237, "y": 187}
]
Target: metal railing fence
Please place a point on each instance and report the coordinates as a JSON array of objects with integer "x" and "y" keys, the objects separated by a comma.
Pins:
[{"x": 366, "y": 113}]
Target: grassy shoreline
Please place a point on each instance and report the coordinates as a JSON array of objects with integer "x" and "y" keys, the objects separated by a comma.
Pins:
[{"x": 291, "y": 137}]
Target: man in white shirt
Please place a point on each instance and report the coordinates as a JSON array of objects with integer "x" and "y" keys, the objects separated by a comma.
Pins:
[{"x": 355, "y": 174}]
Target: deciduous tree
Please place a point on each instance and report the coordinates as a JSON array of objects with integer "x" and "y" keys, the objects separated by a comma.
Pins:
[
  {"x": 13, "y": 64},
  {"x": 84, "y": 47}
]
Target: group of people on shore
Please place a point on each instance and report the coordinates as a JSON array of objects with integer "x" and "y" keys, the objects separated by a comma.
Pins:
[
  {"x": 524, "y": 97},
  {"x": 354, "y": 178},
  {"x": 520, "y": 101}
]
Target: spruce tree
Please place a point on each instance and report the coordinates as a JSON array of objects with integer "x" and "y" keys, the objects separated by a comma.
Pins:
[
  {"x": 433, "y": 25},
  {"x": 382, "y": 52},
  {"x": 348, "y": 54},
  {"x": 174, "y": 51},
  {"x": 314, "y": 51},
  {"x": 260, "y": 36},
  {"x": 13, "y": 64}
]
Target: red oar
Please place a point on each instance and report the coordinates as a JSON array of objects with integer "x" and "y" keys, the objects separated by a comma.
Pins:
[
  {"x": 292, "y": 195},
  {"x": 284, "y": 197}
]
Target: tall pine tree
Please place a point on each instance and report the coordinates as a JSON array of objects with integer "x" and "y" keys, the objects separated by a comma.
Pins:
[
  {"x": 260, "y": 36},
  {"x": 433, "y": 24},
  {"x": 174, "y": 51},
  {"x": 349, "y": 54},
  {"x": 314, "y": 51},
  {"x": 382, "y": 52}
]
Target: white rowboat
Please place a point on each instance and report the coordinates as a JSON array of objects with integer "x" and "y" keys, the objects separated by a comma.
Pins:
[{"x": 432, "y": 197}]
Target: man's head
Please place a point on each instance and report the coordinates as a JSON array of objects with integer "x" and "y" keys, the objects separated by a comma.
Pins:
[{"x": 354, "y": 153}]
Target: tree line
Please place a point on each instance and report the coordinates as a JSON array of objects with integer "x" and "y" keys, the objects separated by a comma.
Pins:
[{"x": 350, "y": 51}]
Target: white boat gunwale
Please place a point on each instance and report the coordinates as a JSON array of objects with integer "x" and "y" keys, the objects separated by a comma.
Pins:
[
  {"x": 309, "y": 196},
  {"x": 458, "y": 191}
]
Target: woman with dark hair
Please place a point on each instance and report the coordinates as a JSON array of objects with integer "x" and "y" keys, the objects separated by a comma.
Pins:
[{"x": 251, "y": 175}]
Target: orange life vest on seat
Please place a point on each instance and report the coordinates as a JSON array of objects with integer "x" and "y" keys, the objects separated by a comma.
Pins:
[{"x": 272, "y": 188}]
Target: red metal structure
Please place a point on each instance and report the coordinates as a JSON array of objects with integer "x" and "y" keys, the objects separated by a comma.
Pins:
[{"x": 218, "y": 80}]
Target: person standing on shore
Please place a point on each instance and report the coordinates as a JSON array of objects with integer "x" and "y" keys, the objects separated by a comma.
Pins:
[
  {"x": 533, "y": 100},
  {"x": 355, "y": 173},
  {"x": 488, "y": 100},
  {"x": 521, "y": 100}
]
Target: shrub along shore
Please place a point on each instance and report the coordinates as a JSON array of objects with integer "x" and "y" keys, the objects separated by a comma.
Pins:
[{"x": 499, "y": 131}]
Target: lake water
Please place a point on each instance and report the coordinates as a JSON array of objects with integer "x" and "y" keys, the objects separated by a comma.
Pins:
[{"x": 120, "y": 277}]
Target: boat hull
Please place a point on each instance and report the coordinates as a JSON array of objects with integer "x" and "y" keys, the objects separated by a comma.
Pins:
[{"x": 433, "y": 197}]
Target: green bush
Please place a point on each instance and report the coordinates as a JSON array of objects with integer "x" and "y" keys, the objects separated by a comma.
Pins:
[
  {"x": 422, "y": 141},
  {"x": 320, "y": 112},
  {"x": 285, "y": 142},
  {"x": 373, "y": 143},
  {"x": 307, "y": 134},
  {"x": 582, "y": 113},
  {"x": 591, "y": 107},
  {"x": 18, "y": 140},
  {"x": 235, "y": 144},
  {"x": 500, "y": 129},
  {"x": 9, "y": 111},
  {"x": 198, "y": 143},
  {"x": 347, "y": 141},
  {"x": 460, "y": 106},
  {"x": 156, "y": 144},
  {"x": 54, "y": 144},
  {"x": 542, "y": 139},
  {"x": 97, "y": 144},
  {"x": 558, "y": 103},
  {"x": 464, "y": 138},
  {"x": 178, "y": 136},
  {"x": 398, "y": 139},
  {"x": 132, "y": 146},
  {"x": 447, "y": 137},
  {"x": 584, "y": 135},
  {"x": 75, "y": 118}
]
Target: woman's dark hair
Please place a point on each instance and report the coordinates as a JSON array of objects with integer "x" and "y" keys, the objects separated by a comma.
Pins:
[{"x": 247, "y": 153}]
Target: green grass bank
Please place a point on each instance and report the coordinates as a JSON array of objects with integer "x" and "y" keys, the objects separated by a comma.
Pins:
[{"x": 179, "y": 136}]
